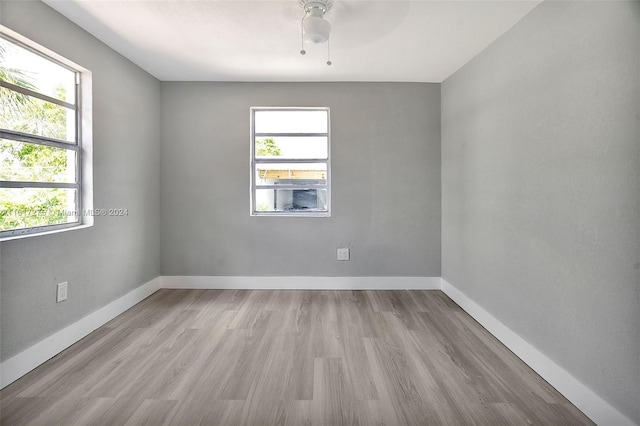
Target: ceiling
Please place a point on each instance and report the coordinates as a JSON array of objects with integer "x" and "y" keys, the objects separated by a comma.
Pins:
[{"x": 211, "y": 40}]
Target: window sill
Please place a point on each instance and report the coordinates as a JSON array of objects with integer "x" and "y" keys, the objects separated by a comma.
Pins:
[
  {"x": 48, "y": 232},
  {"x": 280, "y": 214}
]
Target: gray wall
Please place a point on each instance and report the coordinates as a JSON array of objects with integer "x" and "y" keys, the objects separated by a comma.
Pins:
[
  {"x": 540, "y": 182},
  {"x": 385, "y": 182},
  {"x": 117, "y": 254}
]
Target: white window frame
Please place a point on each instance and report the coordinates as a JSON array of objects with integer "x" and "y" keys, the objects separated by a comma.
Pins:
[
  {"x": 82, "y": 145},
  {"x": 255, "y": 161}
]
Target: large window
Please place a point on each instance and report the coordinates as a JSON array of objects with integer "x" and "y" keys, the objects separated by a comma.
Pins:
[
  {"x": 41, "y": 149},
  {"x": 290, "y": 162}
]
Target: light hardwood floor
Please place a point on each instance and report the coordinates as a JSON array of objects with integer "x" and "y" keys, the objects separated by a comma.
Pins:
[{"x": 287, "y": 357}]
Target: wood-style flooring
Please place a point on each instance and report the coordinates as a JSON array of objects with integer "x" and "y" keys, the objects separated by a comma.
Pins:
[{"x": 228, "y": 357}]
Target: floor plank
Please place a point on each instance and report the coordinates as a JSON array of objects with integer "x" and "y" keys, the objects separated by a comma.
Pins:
[{"x": 249, "y": 357}]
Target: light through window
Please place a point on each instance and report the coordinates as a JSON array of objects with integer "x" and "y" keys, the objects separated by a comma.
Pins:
[
  {"x": 290, "y": 162},
  {"x": 40, "y": 143}
]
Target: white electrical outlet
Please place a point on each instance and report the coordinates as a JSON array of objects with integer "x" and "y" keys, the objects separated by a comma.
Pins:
[
  {"x": 343, "y": 254},
  {"x": 62, "y": 292}
]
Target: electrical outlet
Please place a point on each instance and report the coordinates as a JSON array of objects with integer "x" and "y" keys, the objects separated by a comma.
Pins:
[
  {"x": 343, "y": 254},
  {"x": 62, "y": 292}
]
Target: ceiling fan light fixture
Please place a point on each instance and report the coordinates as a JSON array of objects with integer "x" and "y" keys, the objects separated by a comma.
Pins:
[{"x": 315, "y": 29}]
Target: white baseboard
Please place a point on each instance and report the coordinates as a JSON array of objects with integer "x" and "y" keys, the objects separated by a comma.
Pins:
[
  {"x": 301, "y": 283},
  {"x": 20, "y": 364},
  {"x": 594, "y": 407}
]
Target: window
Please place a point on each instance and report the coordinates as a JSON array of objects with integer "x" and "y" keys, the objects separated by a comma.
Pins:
[
  {"x": 290, "y": 162},
  {"x": 41, "y": 143}
]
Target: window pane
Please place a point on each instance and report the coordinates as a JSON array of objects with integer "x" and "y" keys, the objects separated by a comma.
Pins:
[
  {"x": 292, "y": 147},
  {"x": 291, "y": 173},
  {"x": 26, "y": 162},
  {"x": 34, "y": 116},
  {"x": 26, "y": 69},
  {"x": 312, "y": 121},
  {"x": 291, "y": 200},
  {"x": 28, "y": 207}
]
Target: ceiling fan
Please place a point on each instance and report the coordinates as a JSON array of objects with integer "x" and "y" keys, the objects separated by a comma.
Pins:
[{"x": 314, "y": 28}]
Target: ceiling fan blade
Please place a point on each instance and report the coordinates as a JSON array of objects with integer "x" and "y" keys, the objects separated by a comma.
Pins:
[{"x": 358, "y": 23}]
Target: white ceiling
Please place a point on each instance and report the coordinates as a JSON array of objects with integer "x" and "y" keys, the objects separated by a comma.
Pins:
[{"x": 212, "y": 40}]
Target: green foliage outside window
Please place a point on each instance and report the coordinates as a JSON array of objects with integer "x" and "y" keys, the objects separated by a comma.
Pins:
[
  {"x": 267, "y": 148},
  {"x": 20, "y": 161}
]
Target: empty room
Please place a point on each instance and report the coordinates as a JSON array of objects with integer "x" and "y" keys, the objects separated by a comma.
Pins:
[{"x": 316, "y": 212}]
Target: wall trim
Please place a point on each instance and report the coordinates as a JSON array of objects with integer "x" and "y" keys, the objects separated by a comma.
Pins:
[
  {"x": 22, "y": 363},
  {"x": 300, "y": 283},
  {"x": 587, "y": 401}
]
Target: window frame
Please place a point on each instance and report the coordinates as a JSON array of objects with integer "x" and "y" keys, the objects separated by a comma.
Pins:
[
  {"x": 254, "y": 161},
  {"x": 81, "y": 146}
]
